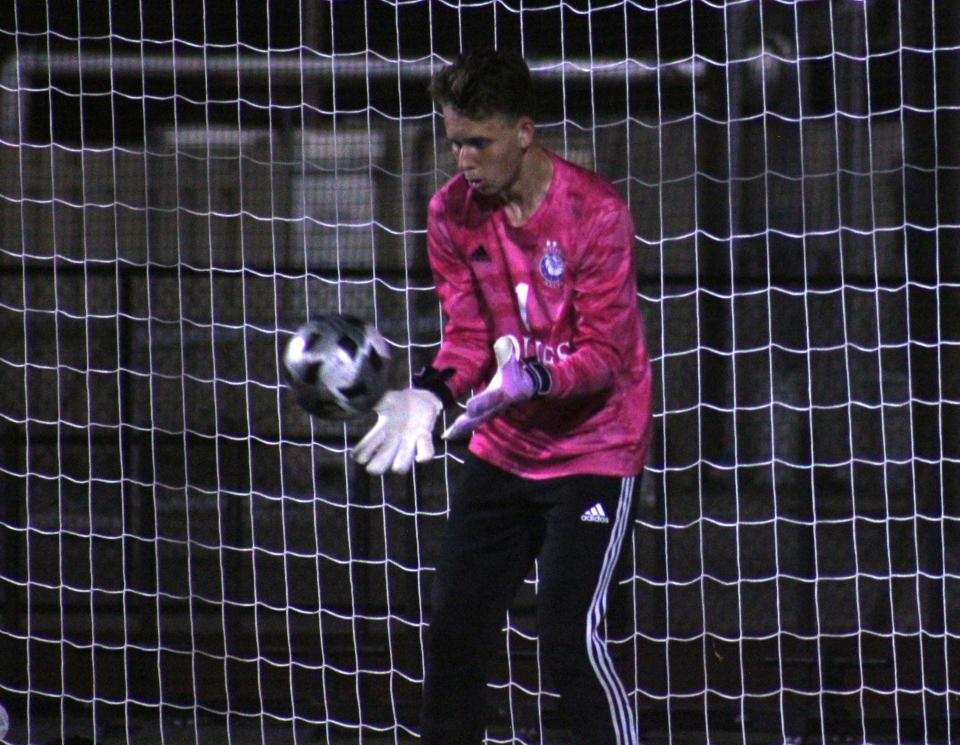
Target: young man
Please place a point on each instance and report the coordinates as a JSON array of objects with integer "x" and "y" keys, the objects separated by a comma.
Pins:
[{"x": 532, "y": 258}]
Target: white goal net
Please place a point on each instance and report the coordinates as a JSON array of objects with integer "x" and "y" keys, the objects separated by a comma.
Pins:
[{"x": 186, "y": 557}]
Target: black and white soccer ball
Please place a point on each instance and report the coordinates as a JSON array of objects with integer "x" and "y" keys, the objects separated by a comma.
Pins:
[{"x": 337, "y": 366}]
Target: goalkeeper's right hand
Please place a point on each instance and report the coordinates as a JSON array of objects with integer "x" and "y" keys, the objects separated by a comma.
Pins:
[{"x": 403, "y": 432}]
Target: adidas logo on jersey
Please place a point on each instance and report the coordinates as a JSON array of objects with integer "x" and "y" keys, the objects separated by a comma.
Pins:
[
  {"x": 480, "y": 254},
  {"x": 595, "y": 514}
]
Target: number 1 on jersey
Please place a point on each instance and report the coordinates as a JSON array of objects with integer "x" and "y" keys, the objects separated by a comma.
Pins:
[{"x": 522, "y": 290}]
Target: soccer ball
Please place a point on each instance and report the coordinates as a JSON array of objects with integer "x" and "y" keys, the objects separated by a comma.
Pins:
[{"x": 337, "y": 366}]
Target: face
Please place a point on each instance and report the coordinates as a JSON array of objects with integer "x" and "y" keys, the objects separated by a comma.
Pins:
[{"x": 489, "y": 151}]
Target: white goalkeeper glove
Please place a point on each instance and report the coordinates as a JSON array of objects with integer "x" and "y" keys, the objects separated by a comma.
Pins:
[
  {"x": 514, "y": 381},
  {"x": 403, "y": 432}
]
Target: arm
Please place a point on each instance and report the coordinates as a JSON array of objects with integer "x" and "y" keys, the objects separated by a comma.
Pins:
[
  {"x": 465, "y": 356},
  {"x": 605, "y": 304},
  {"x": 404, "y": 429}
]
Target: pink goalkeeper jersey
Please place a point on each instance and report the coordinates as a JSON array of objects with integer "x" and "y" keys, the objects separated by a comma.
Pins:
[{"x": 563, "y": 286}]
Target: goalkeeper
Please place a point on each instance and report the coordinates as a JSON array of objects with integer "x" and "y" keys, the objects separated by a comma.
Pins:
[{"x": 532, "y": 258}]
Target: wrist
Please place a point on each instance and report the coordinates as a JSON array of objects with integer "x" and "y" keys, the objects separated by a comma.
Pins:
[
  {"x": 539, "y": 375},
  {"x": 435, "y": 381}
]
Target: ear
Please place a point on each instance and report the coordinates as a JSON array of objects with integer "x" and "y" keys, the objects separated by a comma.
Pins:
[{"x": 525, "y": 132}]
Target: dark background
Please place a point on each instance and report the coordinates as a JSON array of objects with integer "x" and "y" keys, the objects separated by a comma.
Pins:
[{"x": 186, "y": 552}]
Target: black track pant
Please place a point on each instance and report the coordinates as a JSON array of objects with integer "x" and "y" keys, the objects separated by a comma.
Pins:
[{"x": 499, "y": 523}]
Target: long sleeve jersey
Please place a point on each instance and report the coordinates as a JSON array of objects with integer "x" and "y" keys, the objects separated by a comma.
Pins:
[{"x": 563, "y": 285}]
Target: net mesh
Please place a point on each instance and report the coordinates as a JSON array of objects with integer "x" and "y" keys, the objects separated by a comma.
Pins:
[{"x": 187, "y": 557}]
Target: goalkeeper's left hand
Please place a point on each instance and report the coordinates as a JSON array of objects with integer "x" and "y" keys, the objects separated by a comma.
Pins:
[{"x": 515, "y": 381}]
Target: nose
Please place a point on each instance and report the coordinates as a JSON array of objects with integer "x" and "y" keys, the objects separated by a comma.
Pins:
[{"x": 464, "y": 159}]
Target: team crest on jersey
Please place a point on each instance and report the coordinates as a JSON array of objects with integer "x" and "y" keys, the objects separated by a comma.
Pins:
[{"x": 551, "y": 264}]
